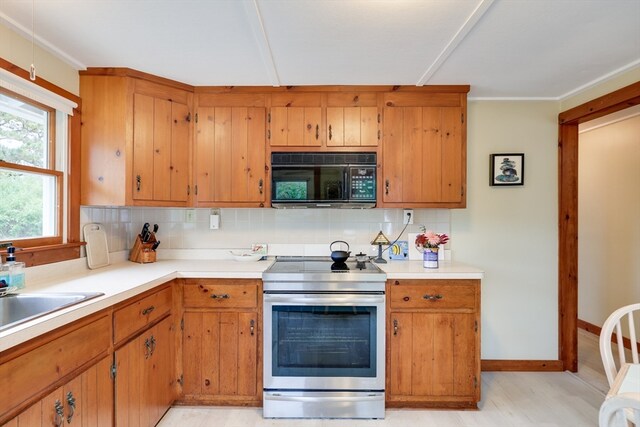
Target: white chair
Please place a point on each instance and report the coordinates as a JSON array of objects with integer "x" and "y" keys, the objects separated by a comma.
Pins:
[
  {"x": 606, "y": 352},
  {"x": 616, "y": 410}
]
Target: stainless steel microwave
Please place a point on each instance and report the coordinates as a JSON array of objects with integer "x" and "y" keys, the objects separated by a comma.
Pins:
[{"x": 323, "y": 180}]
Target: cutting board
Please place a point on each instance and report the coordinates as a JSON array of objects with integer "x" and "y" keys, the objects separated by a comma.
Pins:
[{"x": 97, "y": 248}]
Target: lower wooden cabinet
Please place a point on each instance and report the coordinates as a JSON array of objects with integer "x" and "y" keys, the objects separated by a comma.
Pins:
[
  {"x": 85, "y": 401},
  {"x": 433, "y": 343},
  {"x": 145, "y": 377},
  {"x": 221, "y": 342}
]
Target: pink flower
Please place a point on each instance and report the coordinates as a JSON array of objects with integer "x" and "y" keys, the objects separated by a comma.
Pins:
[{"x": 429, "y": 239}]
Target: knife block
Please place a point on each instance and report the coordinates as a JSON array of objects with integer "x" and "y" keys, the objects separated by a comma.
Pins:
[{"x": 142, "y": 252}]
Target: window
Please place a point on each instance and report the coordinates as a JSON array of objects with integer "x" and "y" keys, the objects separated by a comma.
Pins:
[{"x": 30, "y": 184}]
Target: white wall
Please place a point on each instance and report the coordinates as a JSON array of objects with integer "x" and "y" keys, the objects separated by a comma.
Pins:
[
  {"x": 17, "y": 50},
  {"x": 609, "y": 219},
  {"x": 512, "y": 232}
]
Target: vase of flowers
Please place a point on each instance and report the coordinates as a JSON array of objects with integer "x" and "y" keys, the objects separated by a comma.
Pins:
[{"x": 429, "y": 243}]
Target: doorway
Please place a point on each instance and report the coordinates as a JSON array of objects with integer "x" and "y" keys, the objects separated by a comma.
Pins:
[{"x": 568, "y": 122}]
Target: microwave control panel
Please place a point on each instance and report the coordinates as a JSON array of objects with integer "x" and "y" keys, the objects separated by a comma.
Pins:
[{"x": 362, "y": 182}]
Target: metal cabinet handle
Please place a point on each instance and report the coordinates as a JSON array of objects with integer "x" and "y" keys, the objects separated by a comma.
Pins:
[
  {"x": 147, "y": 310},
  {"x": 71, "y": 401},
  {"x": 221, "y": 296},
  {"x": 317, "y": 131},
  {"x": 252, "y": 326},
  {"x": 147, "y": 348},
  {"x": 260, "y": 185},
  {"x": 435, "y": 297},
  {"x": 188, "y": 190},
  {"x": 138, "y": 182},
  {"x": 153, "y": 344},
  {"x": 395, "y": 327},
  {"x": 59, "y": 418},
  {"x": 386, "y": 187},
  {"x": 330, "y": 133}
]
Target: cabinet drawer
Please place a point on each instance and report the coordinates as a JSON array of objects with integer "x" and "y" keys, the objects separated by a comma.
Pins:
[
  {"x": 135, "y": 316},
  {"x": 221, "y": 294},
  {"x": 433, "y": 296}
]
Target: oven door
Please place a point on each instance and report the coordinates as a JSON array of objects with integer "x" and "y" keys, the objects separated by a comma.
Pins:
[{"x": 324, "y": 341}]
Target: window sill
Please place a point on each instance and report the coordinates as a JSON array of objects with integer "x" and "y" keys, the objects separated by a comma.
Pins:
[{"x": 40, "y": 255}]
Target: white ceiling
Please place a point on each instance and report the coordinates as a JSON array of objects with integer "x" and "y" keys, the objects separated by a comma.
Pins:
[{"x": 503, "y": 48}]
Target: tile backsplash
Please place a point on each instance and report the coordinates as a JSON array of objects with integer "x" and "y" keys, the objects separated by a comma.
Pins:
[{"x": 239, "y": 228}]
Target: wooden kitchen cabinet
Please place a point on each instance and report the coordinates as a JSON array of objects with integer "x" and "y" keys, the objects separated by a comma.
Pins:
[
  {"x": 70, "y": 364},
  {"x": 230, "y": 159},
  {"x": 433, "y": 343},
  {"x": 136, "y": 140},
  {"x": 145, "y": 370},
  {"x": 295, "y": 126},
  {"x": 145, "y": 376},
  {"x": 424, "y": 156},
  {"x": 85, "y": 401},
  {"x": 221, "y": 342},
  {"x": 352, "y": 126}
]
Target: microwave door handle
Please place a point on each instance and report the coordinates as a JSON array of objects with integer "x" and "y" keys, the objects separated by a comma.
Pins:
[{"x": 345, "y": 185}]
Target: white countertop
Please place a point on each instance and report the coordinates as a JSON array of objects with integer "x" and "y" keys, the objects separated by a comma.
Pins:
[{"x": 125, "y": 279}]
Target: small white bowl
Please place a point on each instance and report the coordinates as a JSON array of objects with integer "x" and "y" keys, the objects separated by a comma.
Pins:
[{"x": 245, "y": 255}]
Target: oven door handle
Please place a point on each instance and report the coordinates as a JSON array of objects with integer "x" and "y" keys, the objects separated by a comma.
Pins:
[{"x": 324, "y": 300}]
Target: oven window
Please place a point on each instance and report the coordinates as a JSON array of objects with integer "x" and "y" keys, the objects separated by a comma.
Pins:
[{"x": 324, "y": 341}]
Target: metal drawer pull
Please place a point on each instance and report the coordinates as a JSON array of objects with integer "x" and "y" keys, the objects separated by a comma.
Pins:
[
  {"x": 395, "y": 327},
  {"x": 147, "y": 348},
  {"x": 252, "y": 326},
  {"x": 71, "y": 401},
  {"x": 221, "y": 296},
  {"x": 153, "y": 344},
  {"x": 148, "y": 310},
  {"x": 59, "y": 419},
  {"x": 433, "y": 297}
]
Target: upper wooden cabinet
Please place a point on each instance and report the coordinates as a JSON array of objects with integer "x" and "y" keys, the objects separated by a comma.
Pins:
[
  {"x": 352, "y": 126},
  {"x": 424, "y": 156},
  {"x": 136, "y": 141},
  {"x": 230, "y": 164},
  {"x": 324, "y": 120}
]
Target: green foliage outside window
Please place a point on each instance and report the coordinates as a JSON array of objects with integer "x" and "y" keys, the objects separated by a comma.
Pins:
[{"x": 23, "y": 141}]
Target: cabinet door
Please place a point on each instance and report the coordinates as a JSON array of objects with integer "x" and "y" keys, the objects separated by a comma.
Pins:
[
  {"x": 296, "y": 126},
  {"x": 432, "y": 354},
  {"x": 160, "y": 149},
  {"x": 392, "y": 155},
  {"x": 422, "y": 155},
  {"x": 230, "y": 154},
  {"x": 143, "y": 159},
  {"x": 352, "y": 126},
  {"x": 180, "y": 152},
  {"x": 220, "y": 354},
  {"x": 145, "y": 377},
  {"x": 85, "y": 401}
]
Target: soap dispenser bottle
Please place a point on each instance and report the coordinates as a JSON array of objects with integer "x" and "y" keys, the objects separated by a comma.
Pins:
[
  {"x": 15, "y": 269},
  {"x": 4, "y": 275}
]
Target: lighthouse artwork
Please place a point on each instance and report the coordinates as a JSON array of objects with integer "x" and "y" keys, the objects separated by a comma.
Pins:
[{"x": 507, "y": 169}]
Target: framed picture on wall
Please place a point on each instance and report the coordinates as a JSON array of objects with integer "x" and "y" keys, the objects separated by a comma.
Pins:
[{"x": 506, "y": 169}]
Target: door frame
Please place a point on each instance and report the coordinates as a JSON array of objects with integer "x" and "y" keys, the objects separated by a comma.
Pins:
[{"x": 568, "y": 122}]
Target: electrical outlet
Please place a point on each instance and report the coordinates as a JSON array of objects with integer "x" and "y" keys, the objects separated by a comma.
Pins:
[
  {"x": 407, "y": 216},
  {"x": 190, "y": 215}
]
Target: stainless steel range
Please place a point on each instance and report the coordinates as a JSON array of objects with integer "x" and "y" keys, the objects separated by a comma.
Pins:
[{"x": 324, "y": 339}]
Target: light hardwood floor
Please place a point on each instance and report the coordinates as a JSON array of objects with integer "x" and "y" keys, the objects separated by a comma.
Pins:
[{"x": 509, "y": 399}]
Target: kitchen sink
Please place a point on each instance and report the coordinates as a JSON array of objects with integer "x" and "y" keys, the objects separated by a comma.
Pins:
[{"x": 20, "y": 308}]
